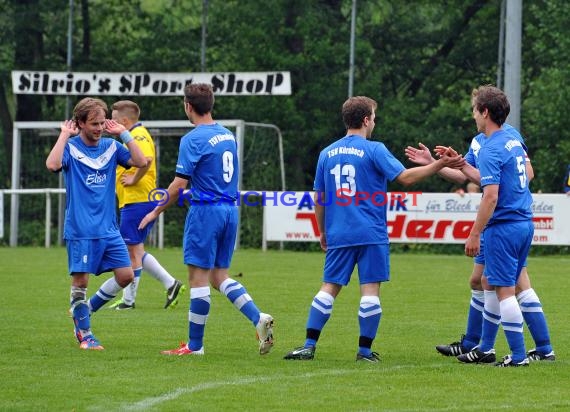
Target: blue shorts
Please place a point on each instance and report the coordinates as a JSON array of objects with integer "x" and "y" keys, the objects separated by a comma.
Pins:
[
  {"x": 507, "y": 249},
  {"x": 373, "y": 264},
  {"x": 97, "y": 255},
  {"x": 210, "y": 235},
  {"x": 131, "y": 216},
  {"x": 480, "y": 258}
]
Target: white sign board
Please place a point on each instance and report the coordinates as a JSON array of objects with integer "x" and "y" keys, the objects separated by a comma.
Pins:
[
  {"x": 422, "y": 218},
  {"x": 149, "y": 84}
]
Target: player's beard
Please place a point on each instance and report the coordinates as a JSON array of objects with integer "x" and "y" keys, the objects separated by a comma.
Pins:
[{"x": 93, "y": 137}]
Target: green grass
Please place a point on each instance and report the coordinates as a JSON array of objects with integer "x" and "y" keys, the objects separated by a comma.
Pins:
[{"x": 425, "y": 304}]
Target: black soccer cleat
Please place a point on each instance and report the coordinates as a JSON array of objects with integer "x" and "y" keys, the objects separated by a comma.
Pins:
[
  {"x": 478, "y": 356},
  {"x": 534, "y": 355},
  {"x": 374, "y": 357},
  {"x": 508, "y": 362},
  {"x": 172, "y": 294},
  {"x": 301, "y": 353},
  {"x": 124, "y": 306},
  {"x": 453, "y": 349}
]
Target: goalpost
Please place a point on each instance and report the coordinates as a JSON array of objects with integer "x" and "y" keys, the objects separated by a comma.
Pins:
[{"x": 260, "y": 150}]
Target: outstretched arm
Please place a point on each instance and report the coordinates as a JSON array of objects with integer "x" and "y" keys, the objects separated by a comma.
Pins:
[
  {"x": 469, "y": 172},
  {"x": 422, "y": 156},
  {"x": 174, "y": 189},
  {"x": 416, "y": 174}
]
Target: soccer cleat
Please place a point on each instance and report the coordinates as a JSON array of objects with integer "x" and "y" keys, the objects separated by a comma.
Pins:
[
  {"x": 301, "y": 353},
  {"x": 116, "y": 303},
  {"x": 508, "y": 361},
  {"x": 124, "y": 306},
  {"x": 374, "y": 357},
  {"x": 264, "y": 333},
  {"x": 183, "y": 350},
  {"x": 90, "y": 343},
  {"x": 478, "y": 356},
  {"x": 172, "y": 294},
  {"x": 453, "y": 349},
  {"x": 534, "y": 355}
]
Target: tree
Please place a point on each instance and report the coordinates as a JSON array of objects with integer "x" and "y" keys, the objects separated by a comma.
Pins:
[{"x": 419, "y": 60}]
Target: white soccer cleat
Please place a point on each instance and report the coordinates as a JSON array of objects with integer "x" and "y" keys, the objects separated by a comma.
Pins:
[{"x": 264, "y": 333}]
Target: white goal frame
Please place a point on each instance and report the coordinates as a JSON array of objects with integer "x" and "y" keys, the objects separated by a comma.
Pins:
[{"x": 16, "y": 191}]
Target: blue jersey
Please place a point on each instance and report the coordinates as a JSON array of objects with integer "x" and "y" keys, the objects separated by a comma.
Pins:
[
  {"x": 478, "y": 141},
  {"x": 502, "y": 162},
  {"x": 208, "y": 157},
  {"x": 358, "y": 168},
  {"x": 89, "y": 173}
]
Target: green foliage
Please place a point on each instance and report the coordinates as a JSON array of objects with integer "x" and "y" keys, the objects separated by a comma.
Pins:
[
  {"x": 419, "y": 60},
  {"x": 545, "y": 121},
  {"x": 424, "y": 304}
]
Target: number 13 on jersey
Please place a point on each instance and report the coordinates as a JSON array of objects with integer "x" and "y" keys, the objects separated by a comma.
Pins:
[{"x": 346, "y": 172}]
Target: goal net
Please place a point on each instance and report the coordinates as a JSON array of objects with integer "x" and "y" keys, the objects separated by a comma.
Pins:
[{"x": 35, "y": 201}]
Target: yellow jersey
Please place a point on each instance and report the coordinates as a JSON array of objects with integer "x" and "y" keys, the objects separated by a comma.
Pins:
[{"x": 139, "y": 192}]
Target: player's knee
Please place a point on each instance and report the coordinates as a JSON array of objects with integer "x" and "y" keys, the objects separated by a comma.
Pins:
[
  {"x": 475, "y": 283},
  {"x": 125, "y": 277}
]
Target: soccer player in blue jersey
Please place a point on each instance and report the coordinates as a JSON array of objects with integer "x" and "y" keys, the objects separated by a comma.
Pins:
[
  {"x": 504, "y": 218},
  {"x": 133, "y": 189},
  {"x": 208, "y": 158},
  {"x": 94, "y": 245},
  {"x": 350, "y": 204},
  {"x": 479, "y": 323}
]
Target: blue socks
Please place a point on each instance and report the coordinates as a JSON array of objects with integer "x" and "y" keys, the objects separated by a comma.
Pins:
[
  {"x": 369, "y": 314},
  {"x": 197, "y": 316},
  {"x": 319, "y": 314},
  {"x": 474, "y": 320},
  {"x": 237, "y": 294}
]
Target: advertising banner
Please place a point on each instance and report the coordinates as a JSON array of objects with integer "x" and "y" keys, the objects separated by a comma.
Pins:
[
  {"x": 148, "y": 84},
  {"x": 416, "y": 217}
]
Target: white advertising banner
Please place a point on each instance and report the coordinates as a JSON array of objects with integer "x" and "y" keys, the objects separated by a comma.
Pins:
[
  {"x": 416, "y": 217},
  {"x": 148, "y": 84}
]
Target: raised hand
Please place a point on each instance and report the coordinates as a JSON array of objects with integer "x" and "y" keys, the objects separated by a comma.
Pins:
[
  {"x": 69, "y": 127},
  {"x": 444, "y": 150},
  {"x": 114, "y": 128},
  {"x": 420, "y": 155},
  {"x": 451, "y": 158}
]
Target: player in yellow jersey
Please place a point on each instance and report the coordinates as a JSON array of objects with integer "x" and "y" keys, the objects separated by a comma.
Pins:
[{"x": 133, "y": 188}]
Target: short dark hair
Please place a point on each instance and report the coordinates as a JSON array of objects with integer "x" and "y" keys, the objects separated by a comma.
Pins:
[
  {"x": 355, "y": 109},
  {"x": 200, "y": 96},
  {"x": 87, "y": 105},
  {"x": 493, "y": 99},
  {"x": 127, "y": 108}
]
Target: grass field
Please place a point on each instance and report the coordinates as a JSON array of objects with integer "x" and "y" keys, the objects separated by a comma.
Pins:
[{"x": 425, "y": 304}]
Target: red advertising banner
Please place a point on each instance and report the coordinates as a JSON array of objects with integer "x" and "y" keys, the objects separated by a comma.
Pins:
[{"x": 415, "y": 217}]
